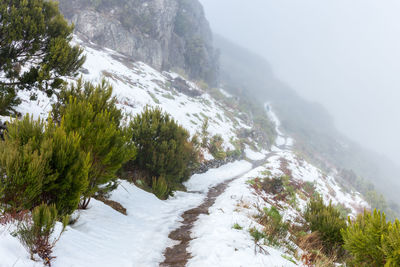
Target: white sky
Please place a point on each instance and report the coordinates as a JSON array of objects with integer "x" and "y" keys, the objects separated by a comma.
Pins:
[{"x": 344, "y": 54}]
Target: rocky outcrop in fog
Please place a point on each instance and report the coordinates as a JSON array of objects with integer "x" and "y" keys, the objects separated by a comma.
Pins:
[{"x": 166, "y": 34}]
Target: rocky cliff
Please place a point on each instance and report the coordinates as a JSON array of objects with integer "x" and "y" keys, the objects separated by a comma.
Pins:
[{"x": 166, "y": 34}]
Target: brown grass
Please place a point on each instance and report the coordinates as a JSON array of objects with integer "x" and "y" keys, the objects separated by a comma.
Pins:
[
  {"x": 313, "y": 247},
  {"x": 13, "y": 216}
]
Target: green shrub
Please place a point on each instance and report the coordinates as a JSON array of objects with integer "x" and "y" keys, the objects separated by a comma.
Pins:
[
  {"x": 160, "y": 187},
  {"x": 256, "y": 235},
  {"x": 237, "y": 226},
  {"x": 372, "y": 241},
  {"x": 215, "y": 147},
  {"x": 22, "y": 165},
  {"x": 35, "y": 51},
  {"x": 35, "y": 234},
  {"x": 275, "y": 228},
  {"x": 91, "y": 112},
  {"x": 391, "y": 244},
  {"x": 272, "y": 185},
  {"x": 328, "y": 222},
  {"x": 66, "y": 171},
  {"x": 204, "y": 133},
  {"x": 41, "y": 164},
  {"x": 164, "y": 148}
]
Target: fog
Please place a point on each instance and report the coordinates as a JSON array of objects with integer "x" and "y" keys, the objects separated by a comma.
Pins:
[{"x": 343, "y": 54}]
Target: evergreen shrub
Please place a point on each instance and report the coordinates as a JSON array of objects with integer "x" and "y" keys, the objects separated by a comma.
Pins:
[
  {"x": 163, "y": 146},
  {"x": 90, "y": 111},
  {"x": 328, "y": 222},
  {"x": 41, "y": 163}
]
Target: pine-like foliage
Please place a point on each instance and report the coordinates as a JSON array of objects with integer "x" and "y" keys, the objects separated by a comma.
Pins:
[
  {"x": 91, "y": 112},
  {"x": 35, "y": 234},
  {"x": 215, "y": 147},
  {"x": 327, "y": 221},
  {"x": 34, "y": 49},
  {"x": 164, "y": 148},
  {"x": 41, "y": 164},
  {"x": 391, "y": 244},
  {"x": 22, "y": 169},
  {"x": 372, "y": 241},
  {"x": 160, "y": 187},
  {"x": 66, "y": 170}
]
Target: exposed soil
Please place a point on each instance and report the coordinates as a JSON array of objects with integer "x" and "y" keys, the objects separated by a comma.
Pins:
[
  {"x": 178, "y": 256},
  {"x": 113, "y": 204}
]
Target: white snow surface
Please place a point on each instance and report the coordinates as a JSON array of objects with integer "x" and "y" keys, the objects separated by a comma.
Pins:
[
  {"x": 215, "y": 241},
  {"x": 105, "y": 237},
  {"x": 201, "y": 183},
  {"x": 253, "y": 155}
]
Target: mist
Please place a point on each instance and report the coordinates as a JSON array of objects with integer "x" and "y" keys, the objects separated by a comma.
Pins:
[{"x": 342, "y": 54}]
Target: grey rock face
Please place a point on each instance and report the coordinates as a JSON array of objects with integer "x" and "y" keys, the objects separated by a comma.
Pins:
[{"x": 166, "y": 34}]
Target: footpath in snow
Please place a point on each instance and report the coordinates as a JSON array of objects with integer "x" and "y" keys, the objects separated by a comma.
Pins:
[{"x": 105, "y": 237}]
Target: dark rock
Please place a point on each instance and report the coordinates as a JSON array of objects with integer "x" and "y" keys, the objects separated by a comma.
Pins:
[
  {"x": 166, "y": 34},
  {"x": 183, "y": 87}
]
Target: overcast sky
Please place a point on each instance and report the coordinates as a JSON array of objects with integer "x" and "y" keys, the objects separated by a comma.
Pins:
[{"x": 344, "y": 54}]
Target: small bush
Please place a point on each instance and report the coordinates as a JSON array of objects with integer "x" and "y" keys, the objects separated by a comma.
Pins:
[
  {"x": 275, "y": 228},
  {"x": 164, "y": 147},
  {"x": 41, "y": 163},
  {"x": 215, "y": 147},
  {"x": 272, "y": 185},
  {"x": 237, "y": 226},
  {"x": 91, "y": 111},
  {"x": 391, "y": 244},
  {"x": 372, "y": 241},
  {"x": 35, "y": 234},
  {"x": 160, "y": 187},
  {"x": 327, "y": 221},
  {"x": 204, "y": 133},
  {"x": 257, "y": 236}
]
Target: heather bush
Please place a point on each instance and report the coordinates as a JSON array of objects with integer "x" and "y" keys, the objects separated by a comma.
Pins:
[
  {"x": 160, "y": 187},
  {"x": 215, "y": 147},
  {"x": 35, "y": 233},
  {"x": 164, "y": 147},
  {"x": 328, "y": 222},
  {"x": 275, "y": 228},
  {"x": 372, "y": 241},
  {"x": 90, "y": 111},
  {"x": 41, "y": 163}
]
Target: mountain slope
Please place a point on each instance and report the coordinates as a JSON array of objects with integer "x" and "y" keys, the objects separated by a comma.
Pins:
[
  {"x": 104, "y": 237},
  {"x": 249, "y": 75}
]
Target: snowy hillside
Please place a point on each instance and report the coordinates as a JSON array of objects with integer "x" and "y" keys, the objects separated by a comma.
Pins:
[
  {"x": 137, "y": 85},
  {"x": 102, "y": 236}
]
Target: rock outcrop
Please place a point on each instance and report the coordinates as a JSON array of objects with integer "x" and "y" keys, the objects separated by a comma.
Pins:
[{"x": 166, "y": 34}]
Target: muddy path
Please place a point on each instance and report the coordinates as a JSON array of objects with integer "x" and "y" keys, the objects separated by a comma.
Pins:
[{"x": 178, "y": 256}]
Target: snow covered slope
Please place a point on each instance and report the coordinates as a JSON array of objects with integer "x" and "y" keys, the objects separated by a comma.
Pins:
[
  {"x": 137, "y": 85},
  {"x": 104, "y": 237},
  {"x": 218, "y": 243}
]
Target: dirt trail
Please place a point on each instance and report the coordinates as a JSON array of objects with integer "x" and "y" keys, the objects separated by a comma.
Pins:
[{"x": 178, "y": 256}]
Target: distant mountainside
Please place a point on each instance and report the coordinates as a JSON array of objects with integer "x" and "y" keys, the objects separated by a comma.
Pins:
[
  {"x": 175, "y": 35},
  {"x": 245, "y": 73},
  {"x": 166, "y": 34}
]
